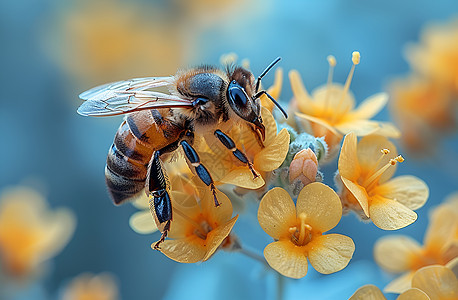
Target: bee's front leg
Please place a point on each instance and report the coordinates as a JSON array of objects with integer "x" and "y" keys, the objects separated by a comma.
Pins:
[
  {"x": 201, "y": 171},
  {"x": 229, "y": 144},
  {"x": 160, "y": 203}
]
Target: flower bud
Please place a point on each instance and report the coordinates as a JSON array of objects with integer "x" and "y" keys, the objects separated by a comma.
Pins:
[{"x": 303, "y": 167}]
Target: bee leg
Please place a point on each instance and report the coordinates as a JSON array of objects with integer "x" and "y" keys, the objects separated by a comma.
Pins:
[
  {"x": 229, "y": 144},
  {"x": 201, "y": 171},
  {"x": 160, "y": 203}
]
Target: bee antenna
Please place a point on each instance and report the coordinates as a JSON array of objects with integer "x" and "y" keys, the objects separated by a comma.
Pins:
[{"x": 272, "y": 64}]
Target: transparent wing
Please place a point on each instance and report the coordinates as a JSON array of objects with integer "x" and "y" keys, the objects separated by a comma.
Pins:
[{"x": 128, "y": 96}]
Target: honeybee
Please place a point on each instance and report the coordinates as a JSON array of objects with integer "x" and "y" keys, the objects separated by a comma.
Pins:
[{"x": 199, "y": 101}]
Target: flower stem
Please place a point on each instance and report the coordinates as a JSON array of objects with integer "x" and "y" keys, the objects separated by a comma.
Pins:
[{"x": 253, "y": 255}]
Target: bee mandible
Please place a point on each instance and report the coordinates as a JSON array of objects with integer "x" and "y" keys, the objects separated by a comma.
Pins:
[{"x": 199, "y": 101}]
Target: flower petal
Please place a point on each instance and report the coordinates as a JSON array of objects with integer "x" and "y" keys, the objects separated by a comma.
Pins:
[
  {"x": 368, "y": 292},
  {"x": 216, "y": 236},
  {"x": 270, "y": 126},
  {"x": 359, "y": 193},
  {"x": 371, "y": 106},
  {"x": 243, "y": 177},
  {"x": 369, "y": 148},
  {"x": 442, "y": 227},
  {"x": 437, "y": 281},
  {"x": 368, "y": 127},
  {"x": 303, "y": 99},
  {"x": 330, "y": 253},
  {"x": 400, "y": 284},
  {"x": 142, "y": 222},
  {"x": 348, "y": 159},
  {"x": 388, "y": 214},
  {"x": 413, "y": 294},
  {"x": 187, "y": 250},
  {"x": 394, "y": 252},
  {"x": 276, "y": 212},
  {"x": 216, "y": 215},
  {"x": 274, "y": 90},
  {"x": 272, "y": 156},
  {"x": 407, "y": 190},
  {"x": 286, "y": 258},
  {"x": 319, "y": 121},
  {"x": 321, "y": 205}
]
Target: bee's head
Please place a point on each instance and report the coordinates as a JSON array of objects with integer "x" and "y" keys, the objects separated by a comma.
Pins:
[{"x": 243, "y": 103}]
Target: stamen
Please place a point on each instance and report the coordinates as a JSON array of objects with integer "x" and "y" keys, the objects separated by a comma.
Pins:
[
  {"x": 355, "y": 58},
  {"x": 304, "y": 228},
  {"x": 374, "y": 177},
  {"x": 332, "y": 63}
]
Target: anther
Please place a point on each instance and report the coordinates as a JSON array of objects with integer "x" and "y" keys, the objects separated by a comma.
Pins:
[
  {"x": 355, "y": 57},
  {"x": 331, "y": 60},
  {"x": 385, "y": 151}
]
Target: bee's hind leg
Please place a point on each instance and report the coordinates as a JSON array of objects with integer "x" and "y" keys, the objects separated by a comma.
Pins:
[
  {"x": 229, "y": 144},
  {"x": 160, "y": 203},
  {"x": 201, "y": 171}
]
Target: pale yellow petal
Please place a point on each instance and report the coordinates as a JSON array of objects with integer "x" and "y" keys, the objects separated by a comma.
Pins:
[
  {"x": 242, "y": 177},
  {"x": 187, "y": 250},
  {"x": 359, "y": 127},
  {"x": 359, "y": 193},
  {"x": 303, "y": 99},
  {"x": 142, "y": 222},
  {"x": 413, "y": 294},
  {"x": 407, "y": 190},
  {"x": 276, "y": 212},
  {"x": 270, "y": 126},
  {"x": 321, "y": 206},
  {"x": 286, "y": 258},
  {"x": 141, "y": 201},
  {"x": 369, "y": 153},
  {"x": 330, "y": 253},
  {"x": 216, "y": 215},
  {"x": 400, "y": 284},
  {"x": 319, "y": 121},
  {"x": 368, "y": 292},
  {"x": 348, "y": 159},
  {"x": 442, "y": 227},
  {"x": 328, "y": 99},
  {"x": 370, "y": 107},
  {"x": 389, "y": 214},
  {"x": 216, "y": 236},
  {"x": 180, "y": 226},
  {"x": 393, "y": 253},
  {"x": 274, "y": 90},
  {"x": 438, "y": 282},
  {"x": 271, "y": 157},
  {"x": 387, "y": 129},
  {"x": 59, "y": 229}
]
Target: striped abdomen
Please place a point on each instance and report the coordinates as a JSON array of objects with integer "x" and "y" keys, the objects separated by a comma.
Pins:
[{"x": 134, "y": 144}]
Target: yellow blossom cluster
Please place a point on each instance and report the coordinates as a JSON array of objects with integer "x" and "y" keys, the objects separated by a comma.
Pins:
[
  {"x": 30, "y": 232},
  {"x": 402, "y": 254},
  {"x": 88, "y": 286},
  {"x": 425, "y": 101}
]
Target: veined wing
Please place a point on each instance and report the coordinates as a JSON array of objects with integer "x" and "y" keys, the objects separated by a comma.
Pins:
[{"x": 128, "y": 96}]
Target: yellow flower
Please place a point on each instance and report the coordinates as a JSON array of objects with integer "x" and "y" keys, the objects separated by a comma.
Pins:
[
  {"x": 30, "y": 233},
  {"x": 402, "y": 254},
  {"x": 91, "y": 287},
  {"x": 366, "y": 169},
  {"x": 372, "y": 292},
  {"x": 198, "y": 228},
  {"x": 330, "y": 112},
  {"x": 225, "y": 168},
  {"x": 423, "y": 110},
  {"x": 102, "y": 41},
  {"x": 436, "y": 282},
  {"x": 298, "y": 231},
  {"x": 436, "y": 57}
]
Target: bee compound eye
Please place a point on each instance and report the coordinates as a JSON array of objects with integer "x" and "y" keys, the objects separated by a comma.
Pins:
[{"x": 238, "y": 97}]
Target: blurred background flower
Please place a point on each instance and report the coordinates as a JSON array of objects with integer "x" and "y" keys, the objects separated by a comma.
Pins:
[{"x": 53, "y": 50}]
